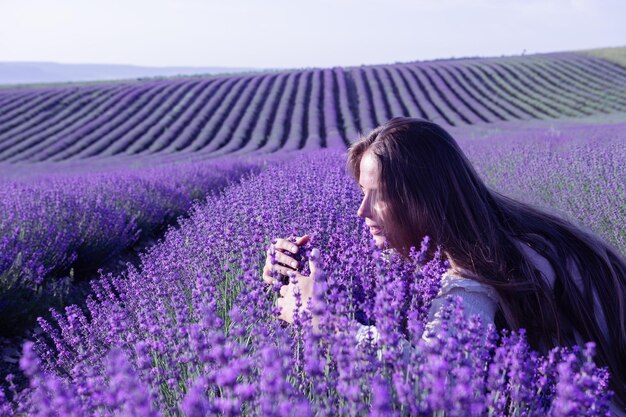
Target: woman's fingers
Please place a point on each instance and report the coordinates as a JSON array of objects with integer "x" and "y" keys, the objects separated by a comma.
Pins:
[
  {"x": 281, "y": 269},
  {"x": 283, "y": 290},
  {"x": 267, "y": 277},
  {"x": 315, "y": 263},
  {"x": 286, "y": 260},
  {"x": 283, "y": 257},
  {"x": 280, "y": 251},
  {"x": 267, "y": 272},
  {"x": 302, "y": 240},
  {"x": 286, "y": 245}
]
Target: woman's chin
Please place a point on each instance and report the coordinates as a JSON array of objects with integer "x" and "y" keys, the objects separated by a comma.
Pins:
[{"x": 380, "y": 241}]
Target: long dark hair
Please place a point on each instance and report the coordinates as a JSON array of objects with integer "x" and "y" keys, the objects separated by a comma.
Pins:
[{"x": 430, "y": 188}]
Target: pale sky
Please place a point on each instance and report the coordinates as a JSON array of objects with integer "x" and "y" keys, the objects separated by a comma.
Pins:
[{"x": 297, "y": 34}]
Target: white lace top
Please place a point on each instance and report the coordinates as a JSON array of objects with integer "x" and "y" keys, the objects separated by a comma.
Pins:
[
  {"x": 477, "y": 298},
  {"x": 483, "y": 299}
]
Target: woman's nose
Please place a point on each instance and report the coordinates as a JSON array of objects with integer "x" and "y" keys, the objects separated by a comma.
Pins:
[{"x": 361, "y": 212}]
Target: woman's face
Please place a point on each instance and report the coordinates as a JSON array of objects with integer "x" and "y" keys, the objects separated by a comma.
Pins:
[{"x": 372, "y": 208}]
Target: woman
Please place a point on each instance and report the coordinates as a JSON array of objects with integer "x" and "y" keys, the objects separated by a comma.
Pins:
[{"x": 511, "y": 263}]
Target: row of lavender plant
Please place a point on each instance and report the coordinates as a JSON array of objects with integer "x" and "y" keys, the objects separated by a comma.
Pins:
[
  {"x": 44, "y": 146},
  {"x": 573, "y": 169},
  {"x": 297, "y": 109},
  {"x": 34, "y": 136},
  {"x": 193, "y": 331},
  {"x": 54, "y": 224}
]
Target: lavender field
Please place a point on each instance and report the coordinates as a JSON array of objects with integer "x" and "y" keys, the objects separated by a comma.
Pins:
[
  {"x": 231, "y": 162},
  {"x": 290, "y": 110}
]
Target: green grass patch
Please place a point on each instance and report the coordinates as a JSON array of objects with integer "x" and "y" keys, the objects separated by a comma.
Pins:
[{"x": 616, "y": 55}]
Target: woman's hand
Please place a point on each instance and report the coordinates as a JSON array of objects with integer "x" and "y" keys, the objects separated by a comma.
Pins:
[
  {"x": 284, "y": 263},
  {"x": 304, "y": 286}
]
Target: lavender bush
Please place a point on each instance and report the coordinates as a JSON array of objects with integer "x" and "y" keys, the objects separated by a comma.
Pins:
[
  {"x": 574, "y": 169},
  {"x": 56, "y": 223},
  {"x": 193, "y": 331}
]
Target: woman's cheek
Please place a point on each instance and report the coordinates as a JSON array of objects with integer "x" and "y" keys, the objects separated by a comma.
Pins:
[{"x": 380, "y": 209}]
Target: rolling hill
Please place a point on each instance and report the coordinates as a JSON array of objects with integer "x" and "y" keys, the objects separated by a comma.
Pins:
[{"x": 289, "y": 110}]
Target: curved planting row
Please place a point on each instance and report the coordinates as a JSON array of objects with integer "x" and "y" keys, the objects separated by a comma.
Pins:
[
  {"x": 101, "y": 120},
  {"x": 298, "y": 109},
  {"x": 75, "y": 115}
]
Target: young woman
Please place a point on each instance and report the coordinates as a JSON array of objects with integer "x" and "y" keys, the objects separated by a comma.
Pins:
[{"x": 513, "y": 264}]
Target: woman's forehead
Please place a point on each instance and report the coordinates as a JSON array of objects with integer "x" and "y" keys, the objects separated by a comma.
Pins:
[{"x": 368, "y": 171}]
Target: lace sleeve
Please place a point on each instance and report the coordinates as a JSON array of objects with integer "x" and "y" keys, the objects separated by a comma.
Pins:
[
  {"x": 476, "y": 298},
  {"x": 369, "y": 334},
  {"x": 474, "y": 302}
]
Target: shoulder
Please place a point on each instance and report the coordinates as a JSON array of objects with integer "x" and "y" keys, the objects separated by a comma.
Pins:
[
  {"x": 457, "y": 284},
  {"x": 476, "y": 297}
]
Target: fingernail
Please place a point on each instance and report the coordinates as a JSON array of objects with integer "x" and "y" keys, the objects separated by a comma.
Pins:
[
  {"x": 294, "y": 248},
  {"x": 294, "y": 264}
]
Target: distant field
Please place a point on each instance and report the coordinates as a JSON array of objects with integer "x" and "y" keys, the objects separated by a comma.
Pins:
[
  {"x": 12, "y": 73},
  {"x": 291, "y": 110}
]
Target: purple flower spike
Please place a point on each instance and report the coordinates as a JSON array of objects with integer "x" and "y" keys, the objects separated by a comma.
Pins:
[
  {"x": 29, "y": 362},
  {"x": 195, "y": 403}
]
